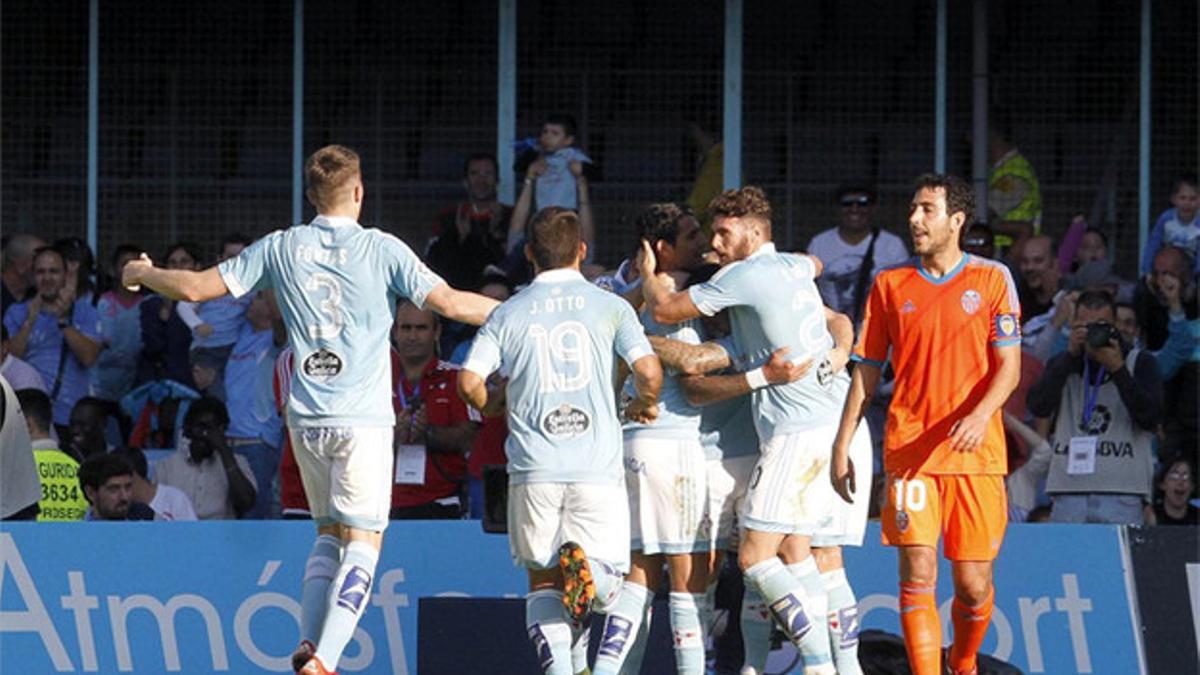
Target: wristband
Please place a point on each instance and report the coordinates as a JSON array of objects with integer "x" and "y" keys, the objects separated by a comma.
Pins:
[{"x": 756, "y": 378}]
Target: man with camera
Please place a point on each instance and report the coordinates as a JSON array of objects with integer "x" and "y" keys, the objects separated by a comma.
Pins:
[{"x": 1106, "y": 400}]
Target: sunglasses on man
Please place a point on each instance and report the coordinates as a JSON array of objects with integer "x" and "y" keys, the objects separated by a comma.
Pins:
[{"x": 857, "y": 200}]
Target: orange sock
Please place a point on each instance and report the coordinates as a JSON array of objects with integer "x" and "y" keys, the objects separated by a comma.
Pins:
[
  {"x": 970, "y": 625},
  {"x": 922, "y": 629}
]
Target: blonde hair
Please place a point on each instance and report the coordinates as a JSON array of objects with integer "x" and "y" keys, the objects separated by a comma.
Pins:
[{"x": 328, "y": 172}]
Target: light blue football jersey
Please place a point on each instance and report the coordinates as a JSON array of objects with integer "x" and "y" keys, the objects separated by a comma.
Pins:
[
  {"x": 556, "y": 339},
  {"x": 727, "y": 427},
  {"x": 337, "y": 285},
  {"x": 677, "y": 419},
  {"x": 773, "y": 303}
]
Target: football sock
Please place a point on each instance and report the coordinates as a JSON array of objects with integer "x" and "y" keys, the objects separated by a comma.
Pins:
[
  {"x": 756, "y": 632},
  {"x": 843, "y": 622},
  {"x": 348, "y": 597},
  {"x": 685, "y": 626},
  {"x": 922, "y": 629},
  {"x": 607, "y": 580},
  {"x": 322, "y": 565},
  {"x": 579, "y": 646},
  {"x": 789, "y": 602},
  {"x": 549, "y": 631},
  {"x": 621, "y": 627},
  {"x": 637, "y": 653},
  {"x": 970, "y": 625}
]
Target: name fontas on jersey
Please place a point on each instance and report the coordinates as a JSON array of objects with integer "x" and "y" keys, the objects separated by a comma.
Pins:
[
  {"x": 325, "y": 256},
  {"x": 566, "y": 421},
  {"x": 323, "y": 365}
]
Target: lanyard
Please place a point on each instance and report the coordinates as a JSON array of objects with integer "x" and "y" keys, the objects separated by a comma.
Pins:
[
  {"x": 404, "y": 397},
  {"x": 1091, "y": 391}
]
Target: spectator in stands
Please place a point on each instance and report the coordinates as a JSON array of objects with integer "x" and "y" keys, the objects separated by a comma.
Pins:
[
  {"x": 854, "y": 251},
  {"x": 292, "y": 500},
  {"x": 218, "y": 481},
  {"x": 1176, "y": 487},
  {"x": 1167, "y": 301},
  {"x": 169, "y": 503},
  {"x": 1039, "y": 278},
  {"x": 1177, "y": 226},
  {"x": 166, "y": 339},
  {"x": 978, "y": 240},
  {"x": 93, "y": 428},
  {"x": 107, "y": 482},
  {"x": 20, "y": 488},
  {"x": 1051, "y": 330},
  {"x": 1093, "y": 247},
  {"x": 471, "y": 235},
  {"x": 120, "y": 332},
  {"x": 255, "y": 428},
  {"x": 434, "y": 428},
  {"x": 1106, "y": 400},
  {"x": 1014, "y": 194},
  {"x": 62, "y": 498},
  {"x": 17, "y": 275},
  {"x": 17, "y": 371},
  {"x": 555, "y": 178},
  {"x": 215, "y": 325},
  {"x": 80, "y": 263},
  {"x": 57, "y": 333}
]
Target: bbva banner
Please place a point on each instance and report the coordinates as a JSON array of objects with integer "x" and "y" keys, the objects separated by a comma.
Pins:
[{"x": 223, "y": 597}]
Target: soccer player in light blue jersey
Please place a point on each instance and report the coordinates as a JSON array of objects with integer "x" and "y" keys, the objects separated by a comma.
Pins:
[
  {"x": 568, "y": 515},
  {"x": 773, "y": 303},
  {"x": 337, "y": 284}
]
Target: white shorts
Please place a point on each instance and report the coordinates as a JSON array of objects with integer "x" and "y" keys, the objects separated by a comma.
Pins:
[
  {"x": 790, "y": 492},
  {"x": 850, "y": 520},
  {"x": 347, "y": 474},
  {"x": 668, "y": 499},
  {"x": 728, "y": 480},
  {"x": 544, "y": 516}
]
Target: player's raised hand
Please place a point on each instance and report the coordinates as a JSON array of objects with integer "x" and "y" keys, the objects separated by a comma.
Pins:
[
  {"x": 640, "y": 412},
  {"x": 841, "y": 474},
  {"x": 131, "y": 275},
  {"x": 967, "y": 433},
  {"x": 781, "y": 370},
  {"x": 647, "y": 262}
]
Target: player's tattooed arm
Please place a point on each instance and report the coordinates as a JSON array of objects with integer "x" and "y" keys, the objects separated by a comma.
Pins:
[
  {"x": 705, "y": 389},
  {"x": 842, "y": 330},
  {"x": 687, "y": 358}
]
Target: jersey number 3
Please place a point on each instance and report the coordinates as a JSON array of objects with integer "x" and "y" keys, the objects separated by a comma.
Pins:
[{"x": 330, "y": 319}]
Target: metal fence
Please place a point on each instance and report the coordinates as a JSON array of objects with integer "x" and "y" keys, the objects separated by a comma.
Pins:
[{"x": 196, "y": 113}]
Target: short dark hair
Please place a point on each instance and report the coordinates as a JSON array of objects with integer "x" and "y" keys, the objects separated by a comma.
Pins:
[
  {"x": 1183, "y": 179},
  {"x": 124, "y": 249},
  {"x": 747, "y": 201},
  {"x": 189, "y": 247},
  {"x": 136, "y": 459},
  {"x": 207, "y": 404},
  {"x": 660, "y": 222},
  {"x": 1096, "y": 299},
  {"x": 960, "y": 197},
  {"x": 235, "y": 238},
  {"x": 43, "y": 250},
  {"x": 37, "y": 407},
  {"x": 567, "y": 122},
  {"x": 77, "y": 250},
  {"x": 480, "y": 157},
  {"x": 1126, "y": 305},
  {"x": 1099, "y": 233},
  {"x": 554, "y": 236},
  {"x": 96, "y": 470}
]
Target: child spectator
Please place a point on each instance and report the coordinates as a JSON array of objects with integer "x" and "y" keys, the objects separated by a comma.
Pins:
[
  {"x": 1177, "y": 226},
  {"x": 215, "y": 326}
]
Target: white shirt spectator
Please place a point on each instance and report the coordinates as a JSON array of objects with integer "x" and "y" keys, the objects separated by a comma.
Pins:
[
  {"x": 171, "y": 503},
  {"x": 842, "y": 261}
]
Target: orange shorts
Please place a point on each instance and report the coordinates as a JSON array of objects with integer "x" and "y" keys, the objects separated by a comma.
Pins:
[{"x": 971, "y": 509}]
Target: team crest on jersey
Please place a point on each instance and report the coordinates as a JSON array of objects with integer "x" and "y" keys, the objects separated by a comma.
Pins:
[
  {"x": 970, "y": 301},
  {"x": 566, "y": 421},
  {"x": 908, "y": 307},
  {"x": 902, "y": 521},
  {"x": 323, "y": 364}
]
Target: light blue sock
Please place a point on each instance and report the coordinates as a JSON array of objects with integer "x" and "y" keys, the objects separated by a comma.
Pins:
[
  {"x": 549, "y": 630},
  {"x": 637, "y": 653},
  {"x": 685, "y": 626},
  {"x": 608, "y": 582},
  {"x": 347, "y": 599},
  {"x": 756, "y": 632},
  {"x": 788, "y": 602},
  {"x": 322, "y": 565},
  {"x": 816, "y": 605},
  {"x": 621, "y": 628},
  {"x": 843, "y": 622},
  {"x": 579, "y": 646},
  {"x": 708, "y": 611}
]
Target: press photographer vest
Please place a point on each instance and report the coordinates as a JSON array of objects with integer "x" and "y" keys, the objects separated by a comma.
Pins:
[{"x": 1123, "y": 451}]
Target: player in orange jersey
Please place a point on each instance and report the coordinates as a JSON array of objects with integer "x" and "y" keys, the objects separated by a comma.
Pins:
[{"x": 952, "y": 324}]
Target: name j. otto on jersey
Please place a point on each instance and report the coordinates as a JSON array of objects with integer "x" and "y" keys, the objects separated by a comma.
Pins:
[
  {"x": 323, "y": 364},
  {"x": 566, "y": 420},
  {"x": 556, "y": 303}
]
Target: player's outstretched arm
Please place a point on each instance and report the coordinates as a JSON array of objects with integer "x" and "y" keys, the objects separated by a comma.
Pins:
[
  {"x": 967, "y": 433},
  {"x": 175, "y": 284},
  {"x": 461, "y": 306},
  {"x": 689, "y": 359},
  {"x": 666, "y": 304},
  {"x": 862, "y": 387},
  {"x": 647, "y": 381}
]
